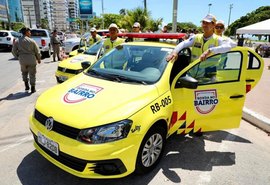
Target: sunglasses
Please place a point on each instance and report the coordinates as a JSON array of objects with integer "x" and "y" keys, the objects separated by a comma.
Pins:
[
  {"x": 219, "y": 27},
  {"x": 135, "y": 27}
]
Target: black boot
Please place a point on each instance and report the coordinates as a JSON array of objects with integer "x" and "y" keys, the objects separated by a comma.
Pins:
[
  {"x": 26, "y": 86},
  {"x": 33, "y": 89}
]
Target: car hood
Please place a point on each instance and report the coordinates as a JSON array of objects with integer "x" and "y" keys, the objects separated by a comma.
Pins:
[
  {"x": 73, "y": 40},
  {"x": 75, "y": 61},
  {"x": 85, "y": 101}
]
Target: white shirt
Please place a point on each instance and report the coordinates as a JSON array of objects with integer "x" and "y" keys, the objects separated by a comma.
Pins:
[{"x": 223, "y": 45}]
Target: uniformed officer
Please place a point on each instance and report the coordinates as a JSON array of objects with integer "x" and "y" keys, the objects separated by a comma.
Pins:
[
  {"x": 136, "y": 28},
  {"x": 203, "y": 44},
  {"x": 219, "y": 29},
  {"x": 55, "y": 42},
  {"x": 113, "y": 40},
  {"x": 26, "y": 49},
  {"x": 94, "y": 36}
]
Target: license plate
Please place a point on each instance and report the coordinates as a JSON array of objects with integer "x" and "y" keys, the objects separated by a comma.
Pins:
[
  {"x": 48, "y": 143},
  {"x": 63, "y": 78}
]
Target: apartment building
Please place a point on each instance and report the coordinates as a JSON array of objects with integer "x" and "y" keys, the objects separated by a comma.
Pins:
[{"x": 60, "y": 15}]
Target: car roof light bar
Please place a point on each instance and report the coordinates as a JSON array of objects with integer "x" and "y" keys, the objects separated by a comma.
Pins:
[{"x": 152, "y": 35}]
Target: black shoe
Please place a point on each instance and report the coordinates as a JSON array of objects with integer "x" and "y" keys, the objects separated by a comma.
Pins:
[
  {"x": 33, "y": 89},
  {"x": 26, "y": 86}
]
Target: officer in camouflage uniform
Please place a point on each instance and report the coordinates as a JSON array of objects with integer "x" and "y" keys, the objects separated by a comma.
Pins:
[
  {"x": 28, "y": 53},
  {"x": 55, "y": 41}
]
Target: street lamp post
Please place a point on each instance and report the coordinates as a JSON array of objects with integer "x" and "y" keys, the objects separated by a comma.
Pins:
[
  {"x": 231, "y": 6},
  {"x": 209, "y": 7},
  {"x": 102, "y": 14},
  {"x": 175, "y": 6}
]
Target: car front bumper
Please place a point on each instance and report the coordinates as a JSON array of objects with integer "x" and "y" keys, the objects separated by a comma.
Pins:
[{"x": 97, "y": 161}]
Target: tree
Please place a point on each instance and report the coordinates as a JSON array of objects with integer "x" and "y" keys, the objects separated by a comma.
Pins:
[
  {"x": 44, "y": 24},
  {"x": 17, "y": 26},
  {"x": 258, "y": 15}
]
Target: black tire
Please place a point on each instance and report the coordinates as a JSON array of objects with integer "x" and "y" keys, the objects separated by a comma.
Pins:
[
  {"x": 48, "y": 53},
  {"x": 149, "y": 155}
]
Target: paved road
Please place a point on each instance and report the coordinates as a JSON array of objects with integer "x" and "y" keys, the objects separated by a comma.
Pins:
[{"x": 238, "y": 156}]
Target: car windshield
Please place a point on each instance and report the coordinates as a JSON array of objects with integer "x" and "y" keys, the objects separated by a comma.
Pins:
[
  {"x": 3, "y": 34},
  {"x": 93, "y": 50},
  {"x": 131, "y": 64},
  {"x": 38, "y": 33}
]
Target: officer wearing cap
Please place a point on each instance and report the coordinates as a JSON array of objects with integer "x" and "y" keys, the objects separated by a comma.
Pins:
[
  {"x": 203, "y": 44},
  {"x": 94, "y": 36},
  {"x": 55, "y": 41},
  {"x": 219, "y": 29},
  {"x": 28, "y": 53},
  {"x": 136, "y": 28},
  {"x": 113, "y": 40}
]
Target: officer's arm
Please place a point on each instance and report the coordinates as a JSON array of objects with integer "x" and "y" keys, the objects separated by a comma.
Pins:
[
  {"x": 185, "y": 44},
  {"x": 15, "y": 50},
  {"x": 37, "y": 51},
  {"x": 223, "y": 46}
]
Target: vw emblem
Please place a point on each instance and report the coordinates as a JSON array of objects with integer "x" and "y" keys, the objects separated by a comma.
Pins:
[{"x": 49, "y": 123}]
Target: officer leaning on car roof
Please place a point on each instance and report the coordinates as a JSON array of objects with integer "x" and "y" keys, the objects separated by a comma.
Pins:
[
  {"x": 113, "y": 40},
  {"x": 26, "y": 49},
  {"x": 219, "y": 29},
  {"x": 94, "y": 36},
  {"x": 203, "y": 44}
]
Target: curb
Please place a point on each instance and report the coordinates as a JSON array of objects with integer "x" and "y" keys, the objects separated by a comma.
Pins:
[{"x": 256, "y": 119}]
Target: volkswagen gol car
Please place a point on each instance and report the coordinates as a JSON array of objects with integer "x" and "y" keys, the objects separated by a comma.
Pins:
[
  {"x": 73, "y": 65},
  {"x": 114, "y": 118}
]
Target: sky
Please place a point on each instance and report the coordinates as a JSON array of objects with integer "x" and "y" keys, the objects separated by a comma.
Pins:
[{"x": 188, "y": 10}]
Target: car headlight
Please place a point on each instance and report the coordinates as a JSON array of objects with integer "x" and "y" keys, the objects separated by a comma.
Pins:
[{"x": 106, "y": 133}]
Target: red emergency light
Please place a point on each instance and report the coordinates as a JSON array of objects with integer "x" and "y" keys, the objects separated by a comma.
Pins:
[{"x": 152, "y": 35}]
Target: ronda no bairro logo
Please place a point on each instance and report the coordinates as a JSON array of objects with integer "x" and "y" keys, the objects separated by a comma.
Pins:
[
  {"x": 81, "y": 93},
  {"x": 205, "y": 101}
]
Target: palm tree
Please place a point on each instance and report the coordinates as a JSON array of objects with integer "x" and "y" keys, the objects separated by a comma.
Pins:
[
  {"x": 123, "y": 11},
  {"x": 136, "y": 15}
]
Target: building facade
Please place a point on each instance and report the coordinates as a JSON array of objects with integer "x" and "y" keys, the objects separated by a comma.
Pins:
[
  {"x": 15, "y": 11},
  {"x": 60, "y": 15},
  {"x": 73, "y": 11},
  {"x": 3, "y": 14},
  {"x": 29, "y": 13}
]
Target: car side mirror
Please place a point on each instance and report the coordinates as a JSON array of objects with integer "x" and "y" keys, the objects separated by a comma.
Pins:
[
  {"x": 85, "y": 65},
  {"x": 187, "y": 82},
  {"x": 80, "y": 50}
]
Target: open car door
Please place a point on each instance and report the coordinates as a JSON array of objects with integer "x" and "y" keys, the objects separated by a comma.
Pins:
[{"x": 209, "y": 95}]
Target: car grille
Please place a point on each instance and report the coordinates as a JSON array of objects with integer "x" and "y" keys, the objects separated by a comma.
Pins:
[
  {"x": 58, "y": 127},
  {"x": 65, "y": 70},
  {"x": 106, "y": 167},
  {"x": 71, "y": 162}
]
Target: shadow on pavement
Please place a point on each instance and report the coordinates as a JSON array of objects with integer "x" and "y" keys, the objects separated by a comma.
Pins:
[
  {"x": 180, "y": 153},
  {"x": 16, "y": 96}
]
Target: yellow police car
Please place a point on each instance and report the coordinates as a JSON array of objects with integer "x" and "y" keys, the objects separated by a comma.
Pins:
[
  {"x": 73, "y": 65},
  {"x": 114, "y": 118}
]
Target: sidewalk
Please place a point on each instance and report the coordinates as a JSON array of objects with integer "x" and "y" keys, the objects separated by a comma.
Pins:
[{"x": 257, "y": 104}]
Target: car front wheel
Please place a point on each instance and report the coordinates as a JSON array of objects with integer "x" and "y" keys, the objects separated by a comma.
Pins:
[{"x": 151, "y": 150}]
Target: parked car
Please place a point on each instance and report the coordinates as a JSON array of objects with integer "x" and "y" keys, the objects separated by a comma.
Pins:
[
  {"x": 263, "y": 50},
  {"x": 113, "y": 119},
  {"x": 76, "y": 43},
  {"x": 70, "y": 36},
  {"x": 73, "y": 43},
  {"x": 73, "y": 65},
  {"x": 43, "y": 40},
  {"x": 61, "y": 36},
  {"x": 7, "y": 39}
]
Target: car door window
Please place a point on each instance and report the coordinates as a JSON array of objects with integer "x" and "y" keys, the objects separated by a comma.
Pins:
[
  {"x": 219, "y": 68},
  {"x": 253, "y": 62}
]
